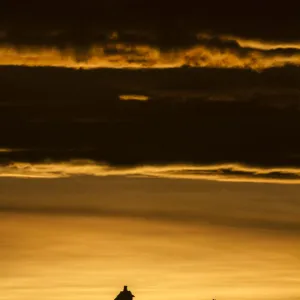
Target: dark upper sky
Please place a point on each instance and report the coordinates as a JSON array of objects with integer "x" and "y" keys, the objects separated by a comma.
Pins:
[
  {"x": 267, "y": 19},
  {"x": 220, "y": 80}
]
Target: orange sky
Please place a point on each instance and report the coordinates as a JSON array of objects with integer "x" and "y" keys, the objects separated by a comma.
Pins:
[{"x": 180, "y": 250}]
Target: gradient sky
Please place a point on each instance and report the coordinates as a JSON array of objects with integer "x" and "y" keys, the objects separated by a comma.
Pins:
[
  {"x": 85, "y": 237},
  {"x": 153, "y": 144}
]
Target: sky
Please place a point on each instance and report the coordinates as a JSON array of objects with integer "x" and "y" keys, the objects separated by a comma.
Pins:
[{"x": 153, "y": 144}]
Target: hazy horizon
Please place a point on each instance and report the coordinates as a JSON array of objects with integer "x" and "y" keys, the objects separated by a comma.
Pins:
[{"x": 86, "y": 237}]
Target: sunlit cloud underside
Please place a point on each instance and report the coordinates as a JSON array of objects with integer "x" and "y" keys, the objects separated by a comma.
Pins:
[
  {"x": 247, "y": 54},
  {"x": 222, "y": 172}
]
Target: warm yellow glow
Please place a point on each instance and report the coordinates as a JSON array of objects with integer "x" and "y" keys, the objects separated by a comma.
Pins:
[
  {"x": 134, "y": 97},
  {"x": 81, "y": 258},
  {"x": 221, "y": 172}
]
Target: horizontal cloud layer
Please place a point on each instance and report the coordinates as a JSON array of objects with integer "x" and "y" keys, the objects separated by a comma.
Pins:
[
  {"x": 204, "y": 50},
  {"x": 225, "y": 172}
]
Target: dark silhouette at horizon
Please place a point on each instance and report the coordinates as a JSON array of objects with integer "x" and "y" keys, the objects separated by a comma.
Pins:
[{"x": 125, "y": 294}]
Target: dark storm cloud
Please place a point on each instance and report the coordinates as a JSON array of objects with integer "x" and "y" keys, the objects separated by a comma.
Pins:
[
  {"x": 193, "y": 116},
  {"x": 54, "y": 87}
]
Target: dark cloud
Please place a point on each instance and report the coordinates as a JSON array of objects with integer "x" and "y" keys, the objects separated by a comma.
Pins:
[
  {"x": 197, "y": 116},
  {"x": 41, "y": 86}
]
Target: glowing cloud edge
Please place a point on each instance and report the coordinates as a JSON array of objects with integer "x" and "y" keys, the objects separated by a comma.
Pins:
[{"x": 220, "y": 172}]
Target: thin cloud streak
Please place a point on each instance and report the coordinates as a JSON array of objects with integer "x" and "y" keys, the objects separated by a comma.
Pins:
[
  {"x": 258, "y": 44},
  {"x": 222, "y": 172},
  {"x": 134, "y": 97},
  {"x": 9, "y": 150},
  {"x": 5, "y": 150}
]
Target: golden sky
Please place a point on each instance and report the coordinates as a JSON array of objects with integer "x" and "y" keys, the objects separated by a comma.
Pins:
[{"x": 165, "y": 239}]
